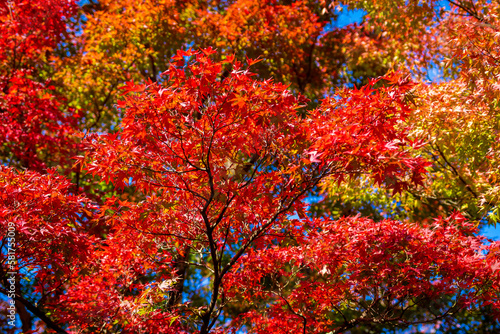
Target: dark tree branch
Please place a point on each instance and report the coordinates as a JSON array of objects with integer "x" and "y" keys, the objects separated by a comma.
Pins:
[{"x": 37, "y": 312}]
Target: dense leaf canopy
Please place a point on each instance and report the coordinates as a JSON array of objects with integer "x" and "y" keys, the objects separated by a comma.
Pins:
[{"x": 249, "y": 166}]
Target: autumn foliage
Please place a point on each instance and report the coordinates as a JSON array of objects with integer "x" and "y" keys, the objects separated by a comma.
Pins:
[{"x": 248, "y": 166}]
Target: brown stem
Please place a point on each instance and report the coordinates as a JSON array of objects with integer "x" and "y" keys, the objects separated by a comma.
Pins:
[
  {"x": 180, "y": 265},
  {"x": 455, "y": 171}
]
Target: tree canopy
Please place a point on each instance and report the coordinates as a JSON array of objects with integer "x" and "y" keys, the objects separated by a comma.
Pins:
[{"x": 249, "y": 166}]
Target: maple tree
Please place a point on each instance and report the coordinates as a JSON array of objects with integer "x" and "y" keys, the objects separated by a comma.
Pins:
[
  {"x": 41, "y": 129},
  {"x": 301, "y": 177}
]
